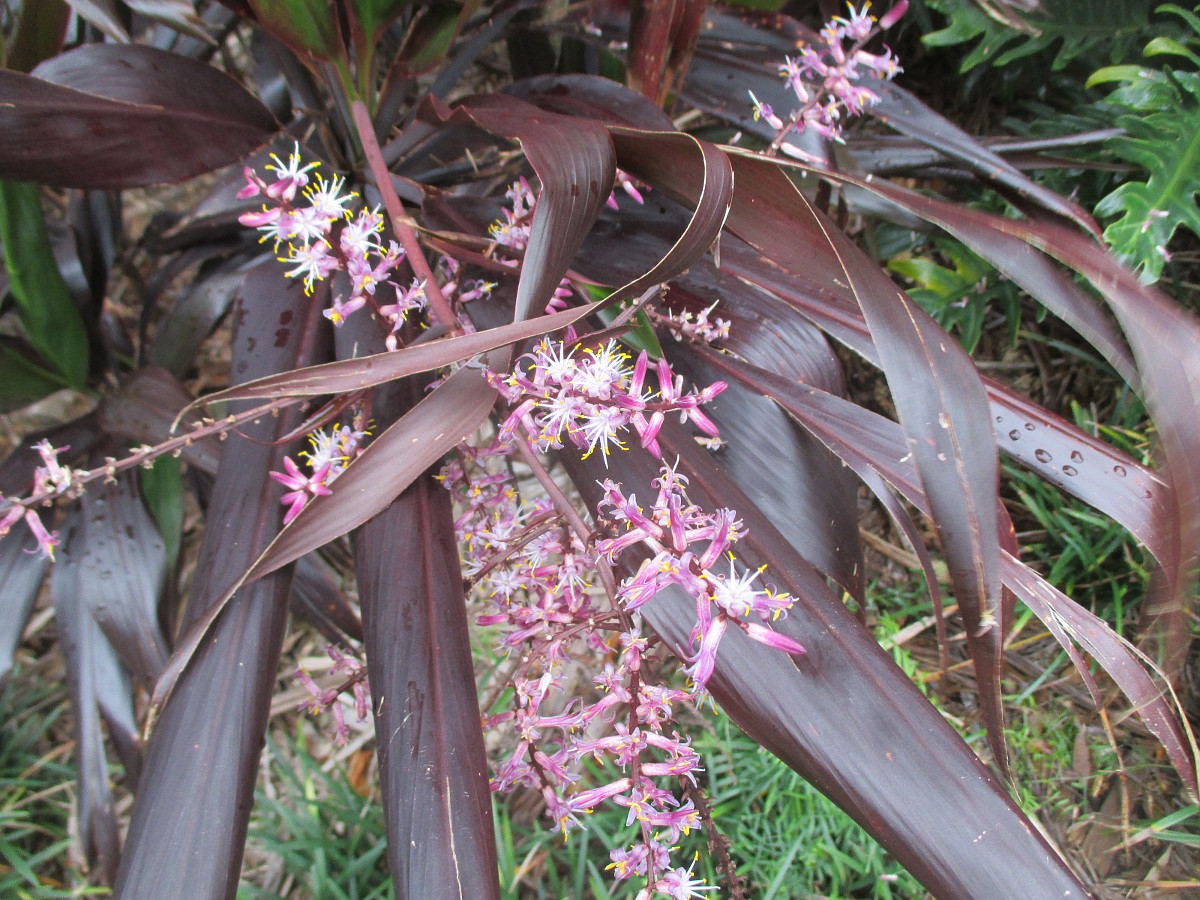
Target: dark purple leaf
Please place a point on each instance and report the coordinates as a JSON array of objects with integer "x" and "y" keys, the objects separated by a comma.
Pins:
[
  {"x": 592, "y": 97},
  {"x": 869, "y": 443},
  {"x": 936, "y": 390},
  {"x": 574, "y": 160},
  {"x": 390, "y": 463},
  {"x": 318, "y": 600},
  {"x": 100, "y": 689},
  {"x": 1022, "y": 263},
  {"x": 1117, "y": 657},
  {"x": 103, "y": 14},
  {"x": 122, "y": 566},
  {"x": 433, "y": 769},
  {"x": 432, "y": 763},
  {"x": 1162, "y": 337},
  {"x": 1118, "y": 486},
  {"x": 21, "y": 573},
  {"x": 662, "y": 37},
  {"x": 908, "y": 115},
  {"x": 192, "y": 317},
  {"x": 189, "y": 820},
  {"x": 347, "y": 375},
  {"x": 109, "y": 117}
]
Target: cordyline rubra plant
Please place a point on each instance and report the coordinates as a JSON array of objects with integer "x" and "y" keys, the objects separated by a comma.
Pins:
[{"x": 441, "y": 294}]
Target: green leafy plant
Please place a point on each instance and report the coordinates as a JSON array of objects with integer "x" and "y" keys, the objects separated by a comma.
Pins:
[
  {"x": 960, "y": 293},
  {"x": 1159, "y": 110},
  {"x": 434, "y": 403},
  {"x": 1005, "y": 33}
]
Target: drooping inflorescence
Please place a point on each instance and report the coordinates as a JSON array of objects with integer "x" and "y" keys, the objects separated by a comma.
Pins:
[
  {"x": 830, "y": 80},
  {"x": 323, "y": 235}
]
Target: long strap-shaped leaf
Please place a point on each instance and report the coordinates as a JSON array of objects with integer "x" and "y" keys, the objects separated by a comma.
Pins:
[
  {"x": 189, "y": 821},
  {"x": 149, "y": 117},
  {"x": 1163, "y": 338},
  {"x": 871, "y": 444},
  {"x": 1097, "y": 473},
  {"x": 433, "y": 770}
]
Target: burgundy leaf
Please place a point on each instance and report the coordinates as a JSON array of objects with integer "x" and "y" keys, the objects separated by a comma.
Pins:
[
  {"x": 1117, "y": 657},
  {"x": 432, "y": 763},
  {"x": 189, "y": 820},
  {"x": 869, "y": 443},
  {"x": 936, "y": 390},
  {"x": 318, "y": 600},
  {"x": 433, "y": 770},
  {"x": 662, "y": 37},
  {"x": 21, "y": 573},
  {"x": 1162, "y": 337},
  {"x": 1116, "y": 485},
  {"x": 100, "y": 689},
  {"x": 192, "y": 317},
  {"x": 574, "y": 160},
  {"x": 592, "y": 97},
  {"x": 108, "y": 116},
  {"x": 122, "y": 567},
  {"x": 1022, "y": 263},
  {"x": 389, "y": 464},
  {"x": 908, "y": 115},
  {"x": 348, "y": 375}
]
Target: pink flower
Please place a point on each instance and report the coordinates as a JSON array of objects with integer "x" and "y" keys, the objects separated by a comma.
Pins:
[{"x": 303, "y": 487}]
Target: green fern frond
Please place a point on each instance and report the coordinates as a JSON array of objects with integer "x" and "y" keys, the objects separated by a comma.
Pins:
[
  {"x": 1082, "y": 27},
  {"x": 1160, "y": 112}
]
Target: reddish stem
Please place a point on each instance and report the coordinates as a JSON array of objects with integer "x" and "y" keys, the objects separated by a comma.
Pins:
[{"x": 400, "y": 222}]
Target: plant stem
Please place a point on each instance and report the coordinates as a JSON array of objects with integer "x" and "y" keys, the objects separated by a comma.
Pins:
[{"x": 400, "y": 223}]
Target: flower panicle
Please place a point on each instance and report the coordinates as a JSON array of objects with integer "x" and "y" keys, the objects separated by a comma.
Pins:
[{"x": 830, "y": 80}]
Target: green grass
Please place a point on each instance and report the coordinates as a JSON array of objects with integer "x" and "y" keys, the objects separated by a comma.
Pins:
[
  {"x": 328, "y": 841},
  {"x": 36, "y": 789}
]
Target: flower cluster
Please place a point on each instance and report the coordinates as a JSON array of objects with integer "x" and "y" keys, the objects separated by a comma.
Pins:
[
  {"x": 50, "y": 479},
  {"x": 828, "y": 80},
  {"x": 324, "y": 236},
  {"x": 537, "y": 580},
  {"x": 331, "y": 452},
  {"x": 687, "y": 543},
  {"x": 594, "y": 398},
  {"x": 512, "y": 229},
  {"x": 696, "y": 326},
  {"x": 320, "y": 699}
]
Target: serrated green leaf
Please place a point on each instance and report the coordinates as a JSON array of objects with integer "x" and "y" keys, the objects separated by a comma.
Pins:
[
  {"x": 1112, "y": 73},
  {"x": 44, "y": 303},
  {"x": 1075, "y": 28},
  {"x": 1162, "y": 125}
]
